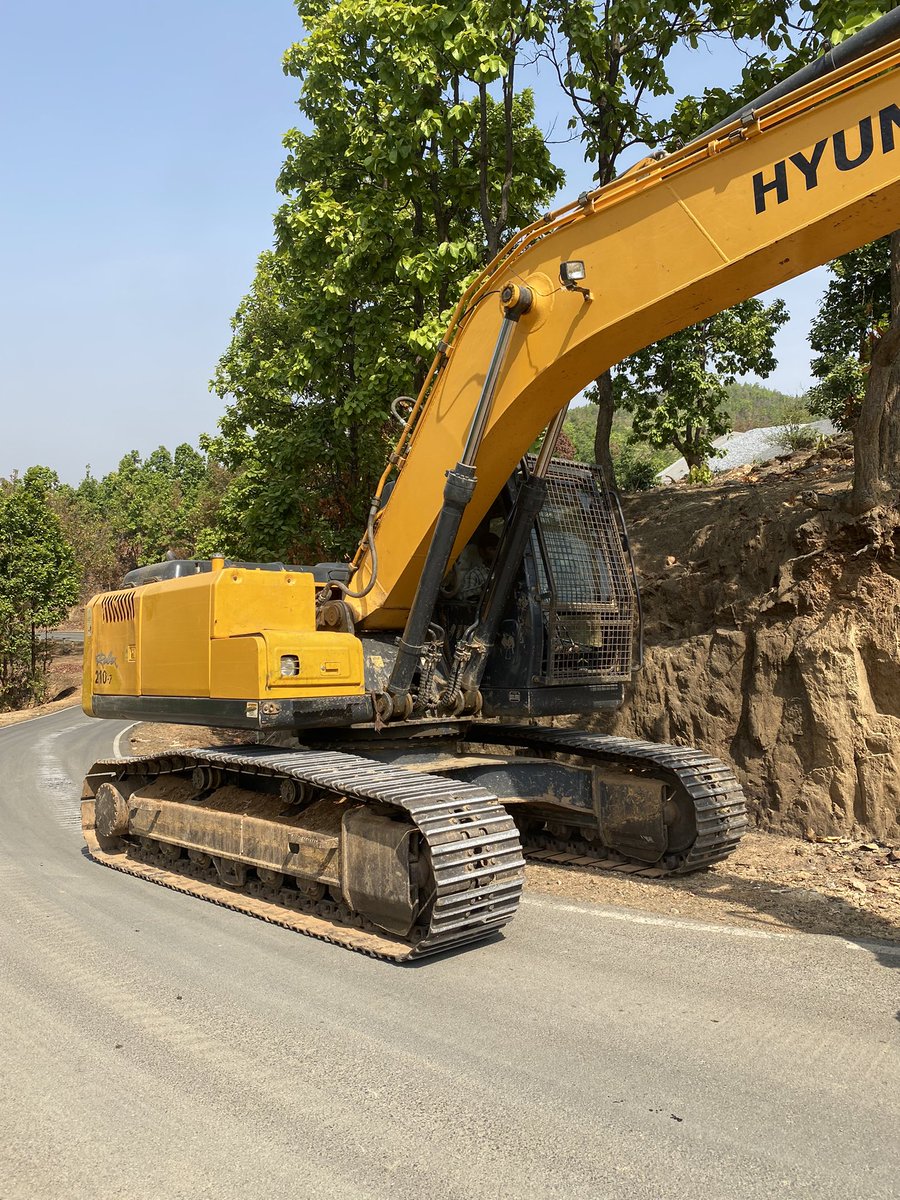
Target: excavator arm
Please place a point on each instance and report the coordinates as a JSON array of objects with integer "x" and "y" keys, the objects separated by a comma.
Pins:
[{"x": 786, "y": 187}]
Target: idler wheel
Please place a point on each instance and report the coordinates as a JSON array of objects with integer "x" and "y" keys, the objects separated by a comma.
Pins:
[{"x": 110, "y": 815}]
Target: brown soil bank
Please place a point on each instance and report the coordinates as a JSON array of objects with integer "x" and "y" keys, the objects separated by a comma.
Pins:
[{"x": 772, "y": 625}]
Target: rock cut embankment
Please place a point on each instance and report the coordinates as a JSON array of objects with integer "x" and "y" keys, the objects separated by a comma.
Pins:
[{"x": 772, "y": 631}]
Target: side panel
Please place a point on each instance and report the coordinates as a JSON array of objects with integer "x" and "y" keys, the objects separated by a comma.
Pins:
[
  {"x": 235, "y": 667},
  {"x": 111, "y": 646},
  {"x": 229, "y": 635},
  {"x": 174, "y": 620},
  {"x": 248, "y": 601}
]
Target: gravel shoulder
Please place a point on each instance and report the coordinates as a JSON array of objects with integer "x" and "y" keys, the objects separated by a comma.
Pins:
[
  {"x": 40, "y": 710},
  {"x": 771, "y": 882}
]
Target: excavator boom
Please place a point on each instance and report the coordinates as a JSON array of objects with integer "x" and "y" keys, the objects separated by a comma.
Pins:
[{"x": 781, "y": 190}]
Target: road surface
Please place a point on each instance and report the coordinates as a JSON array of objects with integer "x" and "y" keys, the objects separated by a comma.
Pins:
[
  {"x": 154, "y": 1046},
  {"x": 75, "y": 636}
]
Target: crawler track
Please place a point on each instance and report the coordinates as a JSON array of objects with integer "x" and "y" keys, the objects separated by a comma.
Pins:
[
  {"x": 704, "y": 782},
  {"x": 471, "y": 840}
]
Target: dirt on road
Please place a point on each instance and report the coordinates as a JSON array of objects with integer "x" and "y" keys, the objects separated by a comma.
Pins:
[{"x": 770, "y": 882}]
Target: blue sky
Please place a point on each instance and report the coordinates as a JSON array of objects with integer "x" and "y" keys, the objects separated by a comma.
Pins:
[{"x": 140, "y": 146}]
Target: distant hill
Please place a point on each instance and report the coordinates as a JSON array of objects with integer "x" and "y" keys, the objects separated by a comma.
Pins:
[
  {"x": 753, "y": 406},
  {"x": 750, "y": 406}
]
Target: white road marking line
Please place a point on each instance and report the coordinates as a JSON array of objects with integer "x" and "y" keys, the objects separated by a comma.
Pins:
[
  {"x": 117, "y": 744},
  {"x": 884, "y": 948},
  {"x": 642, "y": 919}
]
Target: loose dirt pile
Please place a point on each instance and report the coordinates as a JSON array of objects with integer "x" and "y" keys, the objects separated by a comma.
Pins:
[
  {"x": 770, "y": 882},
  {"x": 772, "y": 623},
  {"x": 155, "y": 739}
]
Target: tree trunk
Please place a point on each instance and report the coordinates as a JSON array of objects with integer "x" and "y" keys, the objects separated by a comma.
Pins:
[
  {"x": 605, "y": 409},
  {"x": 876, "y": 437}
]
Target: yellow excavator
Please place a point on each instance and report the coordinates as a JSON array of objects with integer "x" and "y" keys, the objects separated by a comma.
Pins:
[{"x": 390, "y": 794}]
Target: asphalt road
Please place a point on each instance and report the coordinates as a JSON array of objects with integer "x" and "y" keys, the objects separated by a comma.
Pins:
[
  {"x": 154, "y": 1046},
  {"x": 75, "y": 636}
]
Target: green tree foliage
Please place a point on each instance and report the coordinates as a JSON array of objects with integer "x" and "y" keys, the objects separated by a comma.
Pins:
[
  {"x": 580, "y": 426},
  {"x": 416, "y": 159},
  {"x": 676, "y": 390},
  {"x": 636, "y": 463},
  {"x": 38, "y": 582},
  {"x": 612, "y": 61},
  {"x": 859, "y": 381},
  {"x": 637, "y": 467},
  {"x": 855, "y": 311},
  {"x": 783, "y": 38},
  {"x": 859, "y": 372},
  {"x": 755, "y": 406},
  {"x": 746, "y": 406},
  {"x": 140, "y": 511}
]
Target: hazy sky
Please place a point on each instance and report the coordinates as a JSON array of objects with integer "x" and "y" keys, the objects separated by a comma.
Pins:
[{"x": 140, "y": 145}]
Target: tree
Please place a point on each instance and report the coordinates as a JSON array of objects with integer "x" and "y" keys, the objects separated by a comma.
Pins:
[
  {"x": 856, "y": 337},
  {"x": 611, "y": 60},
  {"x": 856, "y": 334},
  {"x": 677, "y": 389},
  {"x": 140, "y": 511},
  {"x": 876, "y": 438},
  {"x": 855, "y": 310},
  {"x": 406, "y": 181},
  {"x": 580, "y": 425},
  {"x": 38, "y": 582},
  {"x": 876, "y": 273},
  {"x": 754, "y": 406}
]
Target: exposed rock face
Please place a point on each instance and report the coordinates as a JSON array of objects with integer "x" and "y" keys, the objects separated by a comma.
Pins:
[{"x": 773, "y": 640}]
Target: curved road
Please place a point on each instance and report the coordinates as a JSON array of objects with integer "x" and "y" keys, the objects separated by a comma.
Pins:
[{"x": 153, "y": 1046}]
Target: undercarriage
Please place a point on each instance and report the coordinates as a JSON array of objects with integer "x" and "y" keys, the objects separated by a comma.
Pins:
[{"x": 401, "y": 848}]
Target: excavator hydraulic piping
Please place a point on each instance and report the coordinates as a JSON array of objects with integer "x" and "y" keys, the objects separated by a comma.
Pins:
[
  {"x": 516, "y": 300},
  {"x": 480, "y": 638},
  {"x": 873, "y": 37},
  {"x": 458, "y": 491}
]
